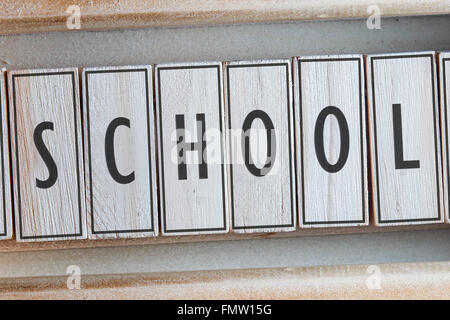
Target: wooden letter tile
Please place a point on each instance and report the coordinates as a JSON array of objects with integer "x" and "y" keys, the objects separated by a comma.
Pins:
[
  {"x": 5, "y": 184},
  {"x": 47, "y": 155},
  {"x": 192, "y": 171},
  {"x": 331, "y": 141},
  {"x": 260, "y": 116},
  {"x": 444, "y": 68},
  {"x": 405, "y": 138},
  {"x": 120, "y": 152}
]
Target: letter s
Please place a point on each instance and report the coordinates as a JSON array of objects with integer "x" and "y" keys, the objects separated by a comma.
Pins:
[{"x": 46, "y": 156}]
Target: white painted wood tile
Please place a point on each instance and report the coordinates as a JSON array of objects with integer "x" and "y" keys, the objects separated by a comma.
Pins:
[
  {"x": 331, "y": 141},
  {"x": 406, "y": 156},
  {"x": 45, "y": 112},
  {"x": 262, "y": 186},
  {"x": 120, "y": 152},
  {"x": 193, "y": 200},
  {"x": 6, "y": 231},
  {"x": 444, "y": 68}
]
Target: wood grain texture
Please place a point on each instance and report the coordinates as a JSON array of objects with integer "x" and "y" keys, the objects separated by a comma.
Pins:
[
  {"x": 57, "y": 210},
  {"x": 444, "y": 82},
  {"x": 258, "y": 92},
  {"x": 22, "y": 16},
  {"x": 121, "y": 188},
  {"x": 332, "y": 178},
  {"x": 196, "y": 202},
  {"x": 426, "y": 280},
  {"x": 405, "y": 84},
  {"x": 6, "y": 231}
]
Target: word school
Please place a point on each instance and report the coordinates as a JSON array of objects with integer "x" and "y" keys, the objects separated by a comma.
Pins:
[{"x": 135, "y": 159}]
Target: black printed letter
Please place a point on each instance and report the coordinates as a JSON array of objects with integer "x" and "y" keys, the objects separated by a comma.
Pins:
[
  {"x": 400, "y": 163},
  {"x": 198, "y": 146},
  {"x": 46, "y": 156},
  {"x": 109, "y": 151},
  {"x": 271, "y": 143},
  {"x": 344, "y": 138}
]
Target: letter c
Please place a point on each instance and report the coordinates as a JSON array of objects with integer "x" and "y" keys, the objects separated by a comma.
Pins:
[{"x": 109, "y": 151}]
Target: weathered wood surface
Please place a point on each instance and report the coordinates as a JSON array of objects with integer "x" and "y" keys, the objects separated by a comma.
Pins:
[
  {"x": 259, "y": 104},
  {"x": 405, "y": 138},
  {"x": 46, "y": 151},
  {"x": 331, "y": 141},
  {"x": 426, "y": 280},
  {"x": 190, "y": 116},
  {"x": 6, "y": 230},
  {"x": 120, "y": 152},
  {"x": 23, "y": 16},
  {"x": 444, "y": 68}
]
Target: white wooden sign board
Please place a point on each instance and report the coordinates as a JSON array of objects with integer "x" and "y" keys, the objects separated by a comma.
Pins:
[
  {"x": 5, "y": 184},
  {"x": 193, "y": 188},
  {"x": 405, "y": 138},
  {"x": 245, "y": 156},
  {"x": 261, "y": 153},
  {"x": 47, "y": 155},
  {"x": 120, "y": 152},
  {"x": 331, "y": 140}
]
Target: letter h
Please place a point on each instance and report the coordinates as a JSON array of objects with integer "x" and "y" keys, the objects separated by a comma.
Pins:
[{"x": 183, "y": 146}]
